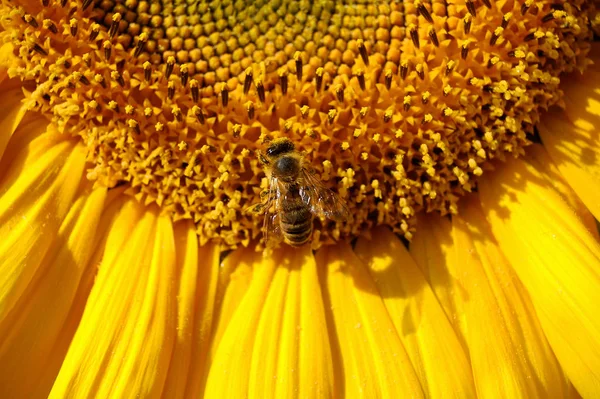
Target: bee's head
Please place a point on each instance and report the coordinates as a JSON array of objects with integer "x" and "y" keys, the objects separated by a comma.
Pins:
[
  {"x": 280, "y": 147},
  {"x": 284, "y": 160}
]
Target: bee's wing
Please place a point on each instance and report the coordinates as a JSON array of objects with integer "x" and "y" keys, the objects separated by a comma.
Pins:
[
  {"x": 271, "y": 227},
  {"x": 322, "y": 201}
]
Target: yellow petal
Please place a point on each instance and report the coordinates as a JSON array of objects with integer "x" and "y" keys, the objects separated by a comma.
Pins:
[
  {"x": 113, "y": 204},
  {"x": 516, "y": 360},
  {"x": 7, "y": 59},
  {"x": 123, "y": 345},
  {"x": 197, "y": 276},
  {"x": 35, "y": 196},
  {"x": 276, "y": 343},
  {"x": 572, "y": 138},
  {"x": 234, "y": 279},
  {"x": 439, "y": 359},
  {"x": 368, "y": 354},
  {"x": 540, "y": 159},
  {"x": 434, "y": 252},
  {"x": 25, "y": 344},
  {"x": 557, "y": 260},
  {"x": 12, "y": 111}
]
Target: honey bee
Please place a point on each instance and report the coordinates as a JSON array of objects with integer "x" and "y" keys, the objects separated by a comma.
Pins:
[{"x": 295, "y": 195}]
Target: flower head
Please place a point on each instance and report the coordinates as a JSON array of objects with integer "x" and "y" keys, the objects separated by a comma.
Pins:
[{"x": 128, "y": 154}]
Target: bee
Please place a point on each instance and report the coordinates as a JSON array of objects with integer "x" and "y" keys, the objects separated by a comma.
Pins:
[{"x": 295, "y": 195}]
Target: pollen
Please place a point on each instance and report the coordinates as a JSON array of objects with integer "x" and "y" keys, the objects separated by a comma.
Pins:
[{"x": 399, "y": 107}]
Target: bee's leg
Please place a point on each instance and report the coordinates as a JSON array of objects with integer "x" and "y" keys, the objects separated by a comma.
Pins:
[
  {"x": 264, "y": 193},
  {"x": 262, "y": 158}
]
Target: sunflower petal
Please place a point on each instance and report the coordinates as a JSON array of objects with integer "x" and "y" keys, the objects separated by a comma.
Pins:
[
  {"x": 277, "y": 338},
  {"x": 557, "y": 260},
  {"x": 33, "y": 204},
  {"x": 370, "y": 359},
  {"x": 125, "y": 338},
  {"x": 12, "y": 111},
  {"x": 439, "y": 359},
  {"x": 544, "y": 164},
  {"x": 516, "y": 360},
  {"x": 198, "y": 272},
  {"x": 25, "y": 346},
  {"x": 572, "y": 138},
  {"x": 434, "y": 252}
]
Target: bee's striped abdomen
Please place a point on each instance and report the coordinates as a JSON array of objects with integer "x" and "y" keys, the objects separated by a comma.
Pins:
[{"x": 296, "y": 221}]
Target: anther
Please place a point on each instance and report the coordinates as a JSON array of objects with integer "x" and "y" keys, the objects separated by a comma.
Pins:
[
  {"x": 87, "y": 58},
  {"x": 248, "y": 80},
  {"x": 526, "y": 6},
  {"x": 236, "y": 130},
  {"x": 250, "y": 109},
  {"x": 194, "y": 90},
  {"x": 73, "y": 26},
  {"x": 414, "y": 35},
  {"x": 116, "y": 76},
  {"x": 464, "y": 50},
  {"x": 170, "y": 66},
  {"x": 107, "y": 49},
  {"x": 298, "y": 59},
  {"x": 94, "y": 32},
  {"x": 319, "y": 78},
  {"x": 407, "y": 101},
  {"x": 133, "y": 124},
  {"x": 387, "y": 116},
  {"x": 433, "y": 36},
  {"x": 260, "y": 90},
  {"x": 388, "y": 78},
  {"x": 141, "y": 42},
  {"x": 81, "y": 77},
  {"x": 471, "y": 8},
  {"x": 38, "y": 49},
  {"x": 100, "y": 79},
  {"x": 420, "y": 71},
  {"x": 304, "y": 111},
  {"x": 548, "y": 17},
  {"x": 45, "y": 3},
  {"x": 331, "y": 115},
  {"x": 176, "y": 111},
  {"x": 506, "y": 19},
  {"x": 183, "y": 74},
  {"x": 129, "y": 109},
  {"x": 63, "y": 3},
  {"x": 497, "y": 32},
  {"x": 30, "y": 20},
  {"x": 170, "y": 90},
  {"x": 224, "y": 95},
  {"x": 339, "y": 92},
  {"x": 283, "y": 82},
  {"x": 425, "y": 97},
  {"x": 487, "y": 3},
  {"x": 421, "y": 9},
  {"x": 114, "y": 25},
  {"x": 530, "y": 36},
  {"x": 467, "y": 24},
  {"x": 362, "y": 50},
  {"x": 199, "y": 114},
  {"x": 48, "y": 24},
  {"x": 450, "y": 66},
  {"x": 360, "y": 75},
  {"x": 403, "y": 69},
  {"x": 147, "y": 71},
  {"x": 86, "y": 4}
]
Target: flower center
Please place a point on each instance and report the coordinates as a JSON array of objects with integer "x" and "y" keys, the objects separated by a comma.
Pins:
[{"x": 398, "y": 106}]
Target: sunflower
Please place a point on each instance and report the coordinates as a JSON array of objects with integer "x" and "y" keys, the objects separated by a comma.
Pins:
[{"x": 463, "y": 136}]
